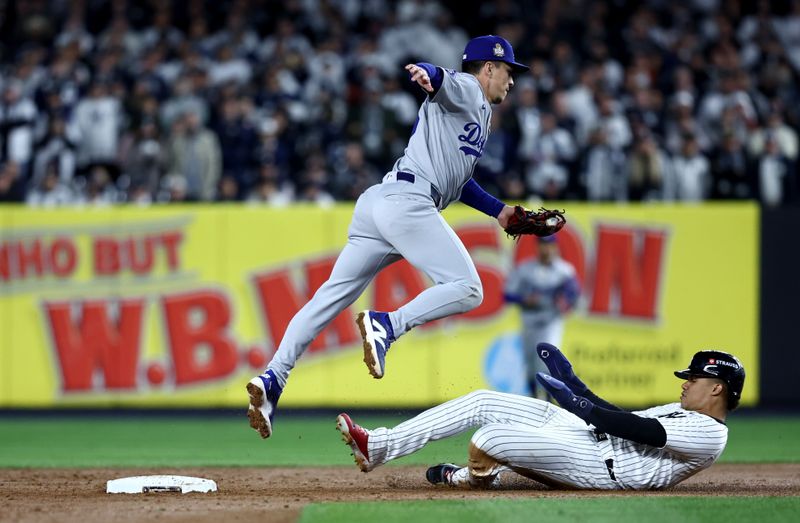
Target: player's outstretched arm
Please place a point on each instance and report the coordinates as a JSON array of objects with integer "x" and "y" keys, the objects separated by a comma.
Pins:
[
  {"x": 561, "y": 369},
  {"x": 615, "y": 422},
  {"x": 426, "y": 75}
]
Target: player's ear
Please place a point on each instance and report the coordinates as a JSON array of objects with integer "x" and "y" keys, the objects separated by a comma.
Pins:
[{"x": 719, "y": 388}]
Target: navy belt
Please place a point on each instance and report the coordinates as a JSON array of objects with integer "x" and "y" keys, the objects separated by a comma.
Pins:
[{"x": 411, "y": 178}]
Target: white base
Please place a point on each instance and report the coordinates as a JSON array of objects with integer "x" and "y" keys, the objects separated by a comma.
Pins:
[{"x": 146, "y": 484}]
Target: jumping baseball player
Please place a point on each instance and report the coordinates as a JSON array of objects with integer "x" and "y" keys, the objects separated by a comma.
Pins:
[
  {"x": 400, "y": 218},
  {"x": 587, "y": 444},
  {"x": 545, "y": 289}
]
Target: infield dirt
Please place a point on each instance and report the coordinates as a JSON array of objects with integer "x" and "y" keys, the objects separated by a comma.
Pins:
[{"x": 279, "y": 494}]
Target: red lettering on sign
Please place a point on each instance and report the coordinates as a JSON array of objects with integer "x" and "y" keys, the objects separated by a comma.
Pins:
[
  {"x": 136, "y": 253},
  {"x": 197, "y": 325},
  {"x": 279, "y": 302},
  {"x": 484, "y": 237},
  {"x": 30, "y": 257},
  {"x": 627, "y": 272},
  {"x": 140, "y": 254},
  {"x": 63, "y": 257},
  {"x": 5, "y": 265},
  {"x": 171, "y": 241},
  {"x": 96, "y": 343},
  {"x": 106, "y": 256},
  {"x": 37, "y": 257}
]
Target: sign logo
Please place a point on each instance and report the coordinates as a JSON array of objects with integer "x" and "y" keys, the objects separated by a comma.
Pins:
[{"x": 498, "y": 50}]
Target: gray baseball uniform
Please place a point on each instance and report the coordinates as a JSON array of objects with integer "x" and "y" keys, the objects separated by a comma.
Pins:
[
  {"x": 543, "y": 441},
  {"x": 400, "y": 218}
]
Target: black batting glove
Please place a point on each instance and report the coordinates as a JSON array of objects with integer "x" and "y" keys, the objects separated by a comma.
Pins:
[
  {"x": 560, "y": 367},
  {"x": 577, "y": 405}
]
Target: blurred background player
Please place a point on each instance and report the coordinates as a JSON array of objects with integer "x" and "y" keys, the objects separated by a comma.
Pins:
[{"x": 545, "y": 289}]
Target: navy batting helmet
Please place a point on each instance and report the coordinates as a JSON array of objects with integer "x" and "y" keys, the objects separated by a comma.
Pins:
[{"x": 720, "y": 365}]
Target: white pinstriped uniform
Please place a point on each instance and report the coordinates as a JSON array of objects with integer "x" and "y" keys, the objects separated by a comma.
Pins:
[{"x": 538, "y": 437}]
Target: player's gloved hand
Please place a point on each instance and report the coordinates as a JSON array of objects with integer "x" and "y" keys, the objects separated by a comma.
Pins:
[
  {"x": 560, "y": 367},
  {"x": 577, "y": 405}
]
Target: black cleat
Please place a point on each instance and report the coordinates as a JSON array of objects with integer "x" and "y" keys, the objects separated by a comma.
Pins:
[{"x": 441, "y": 473}]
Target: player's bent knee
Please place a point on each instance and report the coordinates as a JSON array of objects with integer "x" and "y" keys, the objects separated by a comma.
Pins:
[
  {"x": 479, "y": 396},
  {"x": 473, "y": 295}
]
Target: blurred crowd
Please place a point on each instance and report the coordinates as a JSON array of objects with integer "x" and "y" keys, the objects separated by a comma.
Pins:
[{"x": 109, "y": 101}]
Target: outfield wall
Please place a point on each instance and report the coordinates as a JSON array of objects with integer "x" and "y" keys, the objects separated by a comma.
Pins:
[{"x": 180, "y": 306}]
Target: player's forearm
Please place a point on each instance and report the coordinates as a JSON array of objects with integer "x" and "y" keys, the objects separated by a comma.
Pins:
[
  {"x": 647, "y": 431},
  {"x": 473, "y": 195}
]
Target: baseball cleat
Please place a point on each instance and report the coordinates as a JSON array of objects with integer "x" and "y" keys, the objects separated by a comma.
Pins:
[
  {"x": 378, "y": 335},
  {"x": 264, "y": 392},
  {"x": 441, "y": 473},
  {"x": 357, "y": 438}
]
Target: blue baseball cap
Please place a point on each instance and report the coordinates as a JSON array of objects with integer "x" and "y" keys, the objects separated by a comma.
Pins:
[{"x": 494, "y": 49}]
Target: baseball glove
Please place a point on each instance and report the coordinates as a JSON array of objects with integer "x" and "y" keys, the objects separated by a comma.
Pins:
[{"x": 543, "y": 222}]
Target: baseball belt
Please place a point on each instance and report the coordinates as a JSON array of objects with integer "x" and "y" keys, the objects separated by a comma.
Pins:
[
  {"x": 418, "y": 180},
  {"x": 606, "y": 451}
]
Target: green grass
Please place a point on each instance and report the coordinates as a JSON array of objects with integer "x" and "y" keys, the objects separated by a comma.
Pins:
[
  {"x": 601, "y": 509},
  {"x": 61, "y": 441}
]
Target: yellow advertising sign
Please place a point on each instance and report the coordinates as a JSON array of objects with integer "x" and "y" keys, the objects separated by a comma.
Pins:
[{"x": 181, "y": 306}]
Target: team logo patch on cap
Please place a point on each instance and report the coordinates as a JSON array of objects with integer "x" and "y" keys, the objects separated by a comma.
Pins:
[{"x": 498, "y": 50}]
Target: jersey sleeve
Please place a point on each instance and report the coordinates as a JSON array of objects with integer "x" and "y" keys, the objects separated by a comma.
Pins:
[
  {"x": 693, "y": 435},
  {"x": 458, "y": 91}
]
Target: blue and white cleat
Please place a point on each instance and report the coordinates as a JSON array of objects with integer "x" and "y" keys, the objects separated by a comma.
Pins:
[
  {"x": 264, "y": 392},
  {"x": 378, "y": 335}
]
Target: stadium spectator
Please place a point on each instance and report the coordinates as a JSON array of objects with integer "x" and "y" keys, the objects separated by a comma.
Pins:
[
  {"x": 314, "y": 76},
  {"x": 50, "y": 190},
  {"x": 776, "y": 182},
  {"x": 17, "y": 121},
  {"x": 144, "y": 161},
  {"x": 194, "y": 153},
  {"x": 98, "y": 119},
  {"x": 648, "y": 167},
  {"x": 55, "y": 152},
  {"x": 691, "y": 173}
]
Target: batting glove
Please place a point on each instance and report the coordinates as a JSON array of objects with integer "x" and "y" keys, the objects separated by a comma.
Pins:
[
  {"x": 577, "y": 405},
  {"x": 559, "y": 366}
]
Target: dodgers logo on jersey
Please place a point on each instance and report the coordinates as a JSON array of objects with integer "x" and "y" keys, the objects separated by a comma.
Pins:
[{"x": 473, "y": 137}]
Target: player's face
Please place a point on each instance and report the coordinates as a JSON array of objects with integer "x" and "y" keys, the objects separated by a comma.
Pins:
[
  {"x": 547, "y": 252},
  {"x": 500, "y": 82},
  {"x": 696, "y": 393}
]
